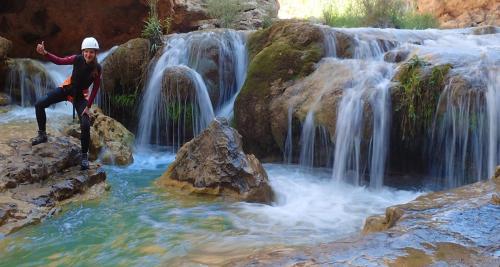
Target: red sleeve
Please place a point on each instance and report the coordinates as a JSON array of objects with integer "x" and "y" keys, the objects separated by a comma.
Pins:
[
  {"x": 95, "y": 88},
  {"x": 60, "y": 61}
]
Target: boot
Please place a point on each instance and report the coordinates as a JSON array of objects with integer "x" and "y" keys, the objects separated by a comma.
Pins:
[
  {"x": 41, "y": 138},
  {"x": 85, "y": 161}
]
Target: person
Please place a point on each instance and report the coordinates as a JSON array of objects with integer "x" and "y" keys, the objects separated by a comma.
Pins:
[{"x": 86, "y": 71}]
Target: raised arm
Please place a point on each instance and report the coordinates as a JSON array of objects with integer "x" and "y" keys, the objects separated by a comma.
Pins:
[
  {"x": 40, "y": 48},
  {"x": 60, "y": 60}
]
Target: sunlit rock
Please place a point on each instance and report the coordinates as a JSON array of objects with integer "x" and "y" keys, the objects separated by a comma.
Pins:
[{"x": 214, "y": 163}]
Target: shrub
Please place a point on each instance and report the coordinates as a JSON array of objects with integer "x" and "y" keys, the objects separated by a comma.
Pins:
[
  {"x": 416, "y": 21},
  {"x": 225, "y": 11},
  {"x": 377, "y": 13},
  {"x": 154, "y": 28},
  {"x": 335, "y": 17}
]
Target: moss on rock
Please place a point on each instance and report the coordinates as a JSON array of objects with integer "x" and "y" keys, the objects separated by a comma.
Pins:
[
  {"x": 418, "y": 95},
  {"x": 284, "y": 52}
]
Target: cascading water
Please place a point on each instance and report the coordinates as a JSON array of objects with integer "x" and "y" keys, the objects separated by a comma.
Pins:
[
  {"x": 370, "y": 85},
  {"x": 27, "y": 81},
  {"x": 199, "y": 54},
  {"x": 465, "y": 142}
]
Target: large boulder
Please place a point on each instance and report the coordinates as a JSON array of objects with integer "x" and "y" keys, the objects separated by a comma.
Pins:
[
  {"x": 34, "y": 180},
  {"x": 460, "y": 13},
  {"x": 110, "y": 140},
  {"x": 280, "y": 54},
  {"x": 214, "y": 163},
  {"x": 124, "y": 75}
]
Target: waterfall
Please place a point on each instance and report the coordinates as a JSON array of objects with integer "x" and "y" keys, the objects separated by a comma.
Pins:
[
  {"x": 27, "y": 81},
  {"x": 465, "y": 141},
  {"x": 198, "y": 54}
]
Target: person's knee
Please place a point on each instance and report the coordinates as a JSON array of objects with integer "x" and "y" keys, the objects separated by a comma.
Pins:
[
  {"x": 39, "y": 104},
  {"x": 85, "y": 123}
]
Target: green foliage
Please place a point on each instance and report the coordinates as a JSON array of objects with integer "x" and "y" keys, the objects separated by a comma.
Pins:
[
  {"x": 176, "y": 111},
  {"x": 377, "y": 13},
  {"x": 416, "y": 21},
  {"x": 225, "y": 11},
  {"x": 418, "y": 95},
  {"x": 124, "y": 101},
  {"x": 154, "y": 28},
  {"x": 349, "y": 18}
]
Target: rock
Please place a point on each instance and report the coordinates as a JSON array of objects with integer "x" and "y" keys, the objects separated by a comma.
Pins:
[
  {"x": 5, "y": 48},
  {"x": 29, "y": 164},
  {"x": 28, "y": 204},
  {"x": 381, "y": 223},
  {"x": 460, "y": 13},
  {"x": 124, "y": 67},
  {"x": 214, "y": 163},
  {"x": 414, "y": 116},
  {"x": 124, "y": 74},
  {"x": 4, "y": 99},
  {"x": 29, "y": 21},
  {"x": 108, "y": 137},
  {"x": 33, "y": 180},
  {"x": 192, "y": 14},
  {"x": 396, "y": 56},
  {"x": 488, "y": 29},
  {"x": 284, "y": 52},
  {"x": 257, "y": 13}
]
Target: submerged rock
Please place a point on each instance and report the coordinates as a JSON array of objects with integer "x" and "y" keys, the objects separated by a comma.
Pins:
[
  {"x": 456, "y": 227},
  {"x": 35, "y": 180},
  {"x": 109, "y": 139},
  {"x": 214, "y": 163}
]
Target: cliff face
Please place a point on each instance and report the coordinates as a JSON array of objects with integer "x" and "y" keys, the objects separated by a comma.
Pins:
[
  {"x": 462, "y": 13},
  {"x": 63, "y": 24}
]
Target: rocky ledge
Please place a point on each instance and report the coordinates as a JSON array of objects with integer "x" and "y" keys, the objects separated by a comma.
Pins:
[
  {"x": 214, "y": 163},
  {"x": 36, "y": 181},
  {"x": 458, "y": 227}
]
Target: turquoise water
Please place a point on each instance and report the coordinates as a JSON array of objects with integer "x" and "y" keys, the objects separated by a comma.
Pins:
[{"x": 137, "y": 224}]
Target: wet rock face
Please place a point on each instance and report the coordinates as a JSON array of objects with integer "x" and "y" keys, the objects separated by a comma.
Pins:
[
  {"x": 460, "y": 13},
  {"x": 109, "y": 139},
  {"x": 33, "y": 180},
  {"x": 214, "y": 163},
  {"x": 123, "y": 77},
  {"x": 284, "y": 52}
]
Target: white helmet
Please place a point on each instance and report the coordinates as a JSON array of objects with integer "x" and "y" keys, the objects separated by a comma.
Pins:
[{"x": 90, "y": 43}]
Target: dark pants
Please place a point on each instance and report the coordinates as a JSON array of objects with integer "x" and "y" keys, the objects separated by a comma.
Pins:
[{"x": 59, "y": 95}]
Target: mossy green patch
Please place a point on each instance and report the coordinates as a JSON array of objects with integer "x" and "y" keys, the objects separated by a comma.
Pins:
[
  {"x": 286, "y": 51},
  {"x": 418, "y": 95}
]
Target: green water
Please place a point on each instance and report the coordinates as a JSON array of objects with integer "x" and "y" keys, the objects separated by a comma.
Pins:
[{"x": 137, "y": 224}]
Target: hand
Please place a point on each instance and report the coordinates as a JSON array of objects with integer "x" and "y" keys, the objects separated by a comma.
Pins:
[
  {"x": 40, "y": 48},
  {"x": 86, "y": 111}
]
